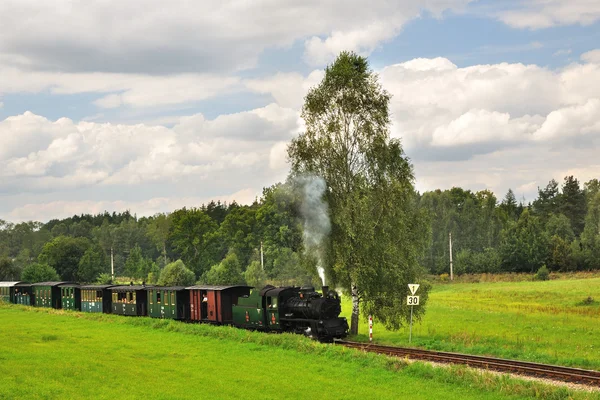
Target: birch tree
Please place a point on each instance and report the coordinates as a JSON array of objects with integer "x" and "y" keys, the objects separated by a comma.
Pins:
[{"x": 378, "y": 233}]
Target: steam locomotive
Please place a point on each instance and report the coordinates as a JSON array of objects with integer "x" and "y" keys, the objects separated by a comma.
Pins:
[{"x": 300, "y": 310}]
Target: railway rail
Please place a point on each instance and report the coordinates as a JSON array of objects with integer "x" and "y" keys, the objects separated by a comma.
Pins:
[{"x": 566, "y": 374}]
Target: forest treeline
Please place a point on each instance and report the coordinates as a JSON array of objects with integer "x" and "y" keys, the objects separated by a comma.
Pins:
[{"x": 220, "y": 243}]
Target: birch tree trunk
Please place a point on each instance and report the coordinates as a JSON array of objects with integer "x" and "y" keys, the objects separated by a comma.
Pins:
[{"x": 355, "y": 311}]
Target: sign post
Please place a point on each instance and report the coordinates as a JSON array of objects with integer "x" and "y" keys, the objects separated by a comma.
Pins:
[
  {"x": 370, "y": 328},
  {"x": 412, "y": 300}
]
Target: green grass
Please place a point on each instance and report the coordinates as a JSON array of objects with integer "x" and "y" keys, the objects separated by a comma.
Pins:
[
  {"x": 555, "y": 321},
  {"x": 48, "y": 354}
]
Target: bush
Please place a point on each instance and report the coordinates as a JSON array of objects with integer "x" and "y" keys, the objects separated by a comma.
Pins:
[
  {"x": 228, "y": 272},
  {"x": 254, "y": 275},
  {"x": 176, "y": 274},
  {"x": 39, "y": 273},
  {"x": 104, "y": 279},
  {"x": 542, "y": 274}
]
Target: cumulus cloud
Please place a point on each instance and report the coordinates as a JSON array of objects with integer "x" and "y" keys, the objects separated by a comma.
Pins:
[
  {"x": 133, "y": 90},
  {"x": 188, "y": 37},
  {"x": 44, "y": 155},
  {"x": 537, "y": 14},
  {"x": 441, "y": 110},
  {"x": 437, "y": 104},
  {"x": 591, "y": 56},
  {"x": 287, "y": 89}
]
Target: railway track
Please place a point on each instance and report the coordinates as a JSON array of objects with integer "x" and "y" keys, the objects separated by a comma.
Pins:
[{"x": 566, "y": 374}]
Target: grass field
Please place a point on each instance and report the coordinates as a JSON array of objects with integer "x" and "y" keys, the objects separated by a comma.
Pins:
[
  {"x": 47, "y": 354},
  {"x": 550, "y": 322}
]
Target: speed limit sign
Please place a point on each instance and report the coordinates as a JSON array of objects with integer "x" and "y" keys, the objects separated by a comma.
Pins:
[{"x": 412, "y": 300}]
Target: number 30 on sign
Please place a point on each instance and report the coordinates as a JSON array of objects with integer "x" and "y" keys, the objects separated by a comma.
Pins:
[{"x": 412, "y": 300}]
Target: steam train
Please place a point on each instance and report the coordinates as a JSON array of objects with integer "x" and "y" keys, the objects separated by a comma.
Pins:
[{"x": 300, "y": 310}]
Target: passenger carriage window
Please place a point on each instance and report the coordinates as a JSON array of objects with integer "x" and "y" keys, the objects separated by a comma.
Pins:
[
  {"x": 158, "y": 297},
  {"x": 167, "y": 298},
  {"x": 151, "y": 294},
  {"x": 98, "y": 294},
  {"x": 172, "y": 298},
  {"x": 133, "y": 295},
  {"x": 274, "y": 302}
]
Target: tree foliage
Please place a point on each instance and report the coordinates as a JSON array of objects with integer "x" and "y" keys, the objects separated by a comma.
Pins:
[
  {"x": 176, "y": 274},
  {"x": 39, "y": 272},
  {"x": 254, "y": 275},
  {"x": 227, "y": 272},
  {"x": 378, "y": 231},
  {"x": 63, "y": 254},
  {"x": 92, "y": 264}
]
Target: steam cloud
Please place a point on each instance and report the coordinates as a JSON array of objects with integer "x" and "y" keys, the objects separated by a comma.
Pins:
[{"x": 315, "y": 213}]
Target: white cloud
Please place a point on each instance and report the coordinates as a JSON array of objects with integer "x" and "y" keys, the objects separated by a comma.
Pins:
[
  {"x": 287, "y": 89},
  {"x": 577, "y": 120},
  {"x": 43, "y": 155},
  {"x": 475, "y": 109},
  {"x": 133, "y": 90},
  {"x": 537, "y": 14},
  {"x": 278, "y": 156},
  {"x": 436, "y": 104},
  {"x": 562, "y": 52},
  {"x": 184, "y": 37},
  {"x": 591, "y": 56}
]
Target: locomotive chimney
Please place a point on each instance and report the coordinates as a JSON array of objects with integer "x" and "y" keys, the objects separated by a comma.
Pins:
[{"x": 325, "y": 290}]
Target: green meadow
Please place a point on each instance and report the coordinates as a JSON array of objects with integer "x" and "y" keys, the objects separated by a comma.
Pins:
[
  {"x": 556, "y": 321},
  {"x": 49, "y": 354}
]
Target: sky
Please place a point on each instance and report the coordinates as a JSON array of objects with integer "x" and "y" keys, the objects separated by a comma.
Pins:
[{"x": 150, "y": 106}]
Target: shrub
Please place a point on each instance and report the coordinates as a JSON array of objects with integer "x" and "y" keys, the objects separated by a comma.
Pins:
[
  {"x": 176, "y": 274},
  {"x": 39, "y": 273},
  {"x": 542, "y": 274},
  {"x": 104, "y": 279}
]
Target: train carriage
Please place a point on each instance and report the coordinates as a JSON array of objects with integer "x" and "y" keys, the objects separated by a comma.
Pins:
[
  {"x": 168, "y": 302},
  {"x": 214, "y": 303},
  {"x": 7, "y": 291},
  {"x": 96, "y": 298},
  {"x": 130, "y": 300},
  {"x": 23, "y": 294},
  {"x": 48, "y": 294},
  {"x": 70, "y": 295}
]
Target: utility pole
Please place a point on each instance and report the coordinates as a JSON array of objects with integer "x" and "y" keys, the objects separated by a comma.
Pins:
[
  {"x": 262, "y": 263},
  {"x": 451, "y": 271},
  {"x": 112, "y": 265}
]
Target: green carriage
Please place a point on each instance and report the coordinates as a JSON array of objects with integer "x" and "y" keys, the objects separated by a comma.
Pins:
[
  {"x": 7, "y": 290},
  {"x": 130, "y": 300},
  {"x": 48, "y": 294},
  {"x": 70, "y": 296},
  {"x": 168, "y": 302},
  {"x": 96, "y": 298},
  {"x": 23, "y": 294}
]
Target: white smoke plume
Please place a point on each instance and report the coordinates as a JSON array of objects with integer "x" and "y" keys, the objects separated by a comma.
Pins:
[{"x": 315, "y": 212}]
